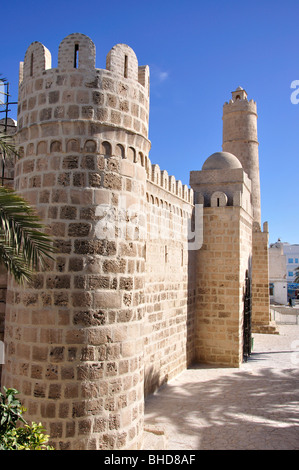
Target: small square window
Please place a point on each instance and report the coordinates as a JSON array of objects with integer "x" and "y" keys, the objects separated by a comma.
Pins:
[
  {"x": 290, "y": 273},
  {"x": 290, "y": 260}
]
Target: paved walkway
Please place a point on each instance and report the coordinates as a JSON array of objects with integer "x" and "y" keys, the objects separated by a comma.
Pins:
[{"x": 253, "y": 407}]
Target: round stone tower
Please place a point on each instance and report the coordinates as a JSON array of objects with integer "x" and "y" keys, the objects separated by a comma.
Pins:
[
  {"x": 74, "y": 335},
  {"x": 240, "y": 139}
]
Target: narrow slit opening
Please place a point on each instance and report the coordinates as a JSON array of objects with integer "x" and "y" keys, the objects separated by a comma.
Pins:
[
  {"x": 76, "y": 56},
  {"x": 126, "y": 67},
  {"x": 31, "y": 65}
]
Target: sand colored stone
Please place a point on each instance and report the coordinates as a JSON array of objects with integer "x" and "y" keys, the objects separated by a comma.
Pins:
[{"x": 149, "y": 274}]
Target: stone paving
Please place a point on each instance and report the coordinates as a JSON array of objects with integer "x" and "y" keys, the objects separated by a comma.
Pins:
[{"x": 254, "y": 407}]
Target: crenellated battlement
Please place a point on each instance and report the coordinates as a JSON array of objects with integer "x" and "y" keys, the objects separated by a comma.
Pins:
[
  {"x": 169, "y": 183},
  {"x": 78, "y": 51},
  {"x": 77, "y": 107},
  {"x": 240, "y": 105},
  {"x": 117, "y": 96},
  {"x": 239, "y": 102}
]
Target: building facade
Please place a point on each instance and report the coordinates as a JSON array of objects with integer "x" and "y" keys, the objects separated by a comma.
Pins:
[
  {"x": 150, "y": 275},
  {"x": 283, "y": 263}
]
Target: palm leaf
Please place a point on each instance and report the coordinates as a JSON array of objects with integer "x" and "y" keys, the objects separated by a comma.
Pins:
[
  {"x": 7, "y": 145},
  {"x": 14, "y": 264},
  {"x": 24, "y": 247}
]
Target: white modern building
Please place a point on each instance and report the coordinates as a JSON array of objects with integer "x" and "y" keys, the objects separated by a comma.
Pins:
[{"x": 283, "y": 261}]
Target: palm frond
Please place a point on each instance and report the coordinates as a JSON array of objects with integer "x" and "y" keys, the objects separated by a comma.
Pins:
[
  {"x": 7, "y": 144},
  {"x": 14, "y": 264},
  {"x": 22, "y": 239}
]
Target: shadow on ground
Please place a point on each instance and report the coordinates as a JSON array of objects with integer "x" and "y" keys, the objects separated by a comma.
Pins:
[{"x": 211, "y": 408}]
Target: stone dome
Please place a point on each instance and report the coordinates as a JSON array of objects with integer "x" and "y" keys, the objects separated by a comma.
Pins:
[{"x": 221, "y": 161}]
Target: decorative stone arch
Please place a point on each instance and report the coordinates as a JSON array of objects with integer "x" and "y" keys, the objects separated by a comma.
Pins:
[
  {"x": 73, "y": 145},
  {"x": 131, "y": 154},
  {"x": 120, "y": 151},
  {"x": 76, "y": 51},
  {"x": 219, "y": 199},
  {"x": 55, "y": 146},
  {"x": 37, "y": 60},
  {"x": 90, "y": 146},
  {"x": 106, "y": 149},
  {"x": 141, "y": 158},
  {"x": 41, "y": 148},
  {"x": 30, "y": 149},
  {"x": 136, "y": 157}
]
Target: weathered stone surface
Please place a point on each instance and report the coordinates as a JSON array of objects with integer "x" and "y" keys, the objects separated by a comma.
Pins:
[{"x": 129, "y": 300}]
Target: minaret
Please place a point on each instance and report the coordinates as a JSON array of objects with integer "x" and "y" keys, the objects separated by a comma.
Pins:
[{"x": 240, "y": 139}]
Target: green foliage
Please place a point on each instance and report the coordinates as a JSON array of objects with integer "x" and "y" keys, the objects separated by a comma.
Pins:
[
  {"x": 23, "y": 244},
  {"x": 7, "y": 144},
  {"x": 26, "y": 437}
]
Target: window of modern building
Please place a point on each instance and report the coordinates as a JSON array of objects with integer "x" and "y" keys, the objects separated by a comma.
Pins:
[
  {"x": 290, "y": 260},
  {"x": 290, "y": 273}
]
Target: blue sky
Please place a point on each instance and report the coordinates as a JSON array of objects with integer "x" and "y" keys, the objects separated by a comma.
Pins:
[{"x": 198, "y": 52}]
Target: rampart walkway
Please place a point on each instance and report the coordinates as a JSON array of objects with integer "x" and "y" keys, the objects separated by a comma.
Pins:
[{"x": 254, "y": 407}]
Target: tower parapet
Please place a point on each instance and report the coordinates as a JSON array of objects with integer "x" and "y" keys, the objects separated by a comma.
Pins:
[{"x": 117, "y": 96}]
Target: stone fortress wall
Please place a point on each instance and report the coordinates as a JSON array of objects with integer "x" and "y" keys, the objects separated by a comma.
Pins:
[
  {"x": 134, "y": 294},
  {"x": 75, "y": 336}
]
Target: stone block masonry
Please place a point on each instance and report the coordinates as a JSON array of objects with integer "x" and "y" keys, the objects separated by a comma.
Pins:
[
  {"x": 75, "y": 337},
  {"x": 134, "y": 295}
]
